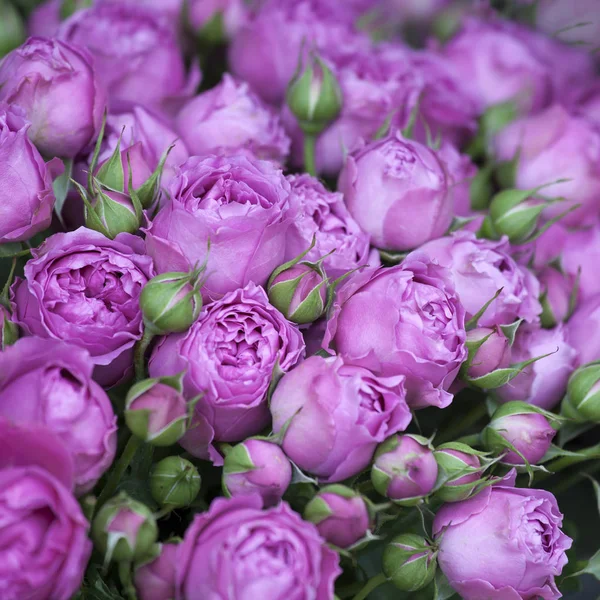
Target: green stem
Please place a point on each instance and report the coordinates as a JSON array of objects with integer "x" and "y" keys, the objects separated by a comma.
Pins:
[
  {"x": 140, "y": 354},
  {"x": 310, "y": 141},
  {"x": 568, "y": 483},
  {"x": 566, "y": 461},
  {"x": 126, "y": 581},
  {"x": 118, "y": 471},
  {"x": 6, "y": 289},
  {"x": 373, "y": 583},
  {"x": 461, "y": 424}
]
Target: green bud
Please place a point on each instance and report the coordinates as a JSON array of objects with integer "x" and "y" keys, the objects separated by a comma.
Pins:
[
  {"x": 124, "y": 530},
  {"x": 460, "y": 471},
  {"x": 112, "y": 213},
  {"x": 175, "y": 482},
  {"x": 409, "y": 562},
  {"x": 12, "y": 31},
  {"x": 314, "y": 96},
  {"x": 582, "y": 402}
]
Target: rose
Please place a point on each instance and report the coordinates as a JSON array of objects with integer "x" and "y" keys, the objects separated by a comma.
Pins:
[
  {"x": 404, "y": 320},
  {"x": 555, "y": 145},
  {"x": 43, "y": 531},
  {"x": 584, "y": 330},
  {"x": 503, "y": 543},
  {"x": 288, "y": 556},
  {"x": 231, "y": 119},
  {"x": 56, "y": 85},
  {"x": 83, "y": 288},
  {"x": 384, "y": 183},
  {"x": 46, "y": 18},
  {"x": 156, "y": 580},
  {"x": 239, "y": 204},
  {"x": 137, "y": 58},
  {"x": 49, "y": 382},
  {"x": 167, "y": 12},
  {"x": 323, "y": 215},
  {"x": 232, "y": 14},
  {"x": 461, "y": 171},
  {"x": 231, "y": 354},
  {"x": 26, "y": 195},
  {"x": 347, "y": 411},
  {"x": 479, "y": 268}
]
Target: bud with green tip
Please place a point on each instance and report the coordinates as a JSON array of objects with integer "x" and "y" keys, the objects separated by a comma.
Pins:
[
  {"x": 124, "y": 530},
  {"x": 156, "y": 411},
  {"x": 489, "y": 350},
  {"x": 460, "y": 468},
  {"x": 171, "y": 302},
  {"x": 582, "y": 402},
  {"x": 12, "y": 31},
  {"x": 341, "y": 515},
  {"x": 174, "y": 482},
  {"x": 409, "y": 562},
  {"x": 404, "y": 469},
  {"x": 314, "y": 95}
]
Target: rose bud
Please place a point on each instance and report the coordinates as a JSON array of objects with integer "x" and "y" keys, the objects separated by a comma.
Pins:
[
  {"x": 582, "y": 402},
  {"x": 124, "y": 530},
  {"x": 9, "y": 332},
  {"x": 299, "y": 291},
  {"x": 489, "y": 350},
  {"x": 257, "y": 467},
  {"x": 340, "y": 514},
  {"x": 383, "y": 181},
  {"x": 461, "y": 469},
  {"x": 409, "y": 562},
  {"x": 314, "y": 95},
  {"x": 354, "y": 409},
  {"x": 556, "y": 297},
  {"x": 527, "y": 431},
  {"x": 404, "y": 469},
  {"x": 273, "y": 550},
  {"x": 55, "y": 84},
  {"x": 482, "y": 539},
  {"x": 12, "y": 32},
  {"x": 156, "y": 411},
  {"x": 171, "y": 302},
  {"x": 231, "y": 119},
  {"x": 174, "y": 482},
  {"x": 155, "y": 580}
]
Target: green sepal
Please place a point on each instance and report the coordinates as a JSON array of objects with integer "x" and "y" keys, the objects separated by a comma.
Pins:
[
  {"x": 311, "y": 308},
  {"x": 510, "y": 331},
  {"x": 111, "y": 173},
  {"x": 472, "y": 322},
  {"x": 148, "y": 190},
  {"x": 317, "y": 510},
  {"x": 97, "y": 149},
  {"x": 237, "y": 460},
  {"x": 291, "y": 263},
  {"x": 480, "y": 189}
]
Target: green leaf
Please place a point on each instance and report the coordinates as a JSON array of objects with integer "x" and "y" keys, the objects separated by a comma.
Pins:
[
  {"x": 61, "y": 187},
  {"x": 442, "y": 588},
  {"x": 556, "y": 452},
  {"x": 12, "y": 249},
  {"x": 591, "y": 568}
]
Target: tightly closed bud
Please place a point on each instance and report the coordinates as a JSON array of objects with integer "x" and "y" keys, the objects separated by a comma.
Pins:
[
  {"x": 257, "y": 467},
  {"x": 299, "y": 292},
  {"x": 556, "y": 297},
  {"x": 404, "y": 469},
  {"x": 340, "y": 514},
  {"x": 460, "y": 466},
  {"x": 9, "y": 332},
  {"x": 524, "y": 428},
  {"x": 12, "y": 32},
  {"x": 515, "y": 217},
  {"x": 409, "y": 562},
  {"x": 124, "y": 530},
  {"x": 171, "y": 302},
  {"x": 175, "y": 482},
  {"x": 582, "y": 402},
  {"x": 314, "y": 96},
  {"x": 156, "y": 411},
  {"x": 489, "y": 350}
]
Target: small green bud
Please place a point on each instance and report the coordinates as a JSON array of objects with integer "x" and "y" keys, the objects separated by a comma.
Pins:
[
  {"x": 582, "y": 402},
  {"x": 175, "y": 482},
  {"x": 409, "y": 562}
]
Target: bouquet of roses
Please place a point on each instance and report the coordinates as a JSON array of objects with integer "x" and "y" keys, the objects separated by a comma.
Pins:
[{"x": 299, "y": 299}]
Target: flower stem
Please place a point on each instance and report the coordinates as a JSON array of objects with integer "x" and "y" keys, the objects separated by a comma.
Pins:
[
  {"x": 310, "y": 141},
  {"x": 373, "y": 583},
  {"x": 118, "y": 471},
  {"x": 126, "y": 582},
  {"x": 140, "y": 353},
  {"x": 6, "y": 290},
  {"x": 564, "y": 462}
]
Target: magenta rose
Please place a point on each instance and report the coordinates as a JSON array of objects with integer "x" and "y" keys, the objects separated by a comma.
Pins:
[
  {"x": 49, "y": 382},
  {"x": 238, "y": 203},
  {"x": 231, "y": 354},
  {"x": 505, "y": 542},
  {"x": 392, "y": 183},
  {"x": 156, "y": 580},
  {"x": 55, "y": 84},
  {"x": 288, "y": 557},
  {"x": 332, "y": 415},
  {"x": 231, "y": 119},
  {"x": 83, "y": 288},
  {"x": 45, "y": 546},
  {"x": 479, "y": 268}
]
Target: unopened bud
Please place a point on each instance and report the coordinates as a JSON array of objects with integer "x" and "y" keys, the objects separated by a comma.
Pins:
[
  {"x": 175, "y": 482},
  {"x": 582, "y": 402},
  {"x": 409, "y": 562},
  {"x": 489, "y": 350},
  {"x": 556, "y": 297}
]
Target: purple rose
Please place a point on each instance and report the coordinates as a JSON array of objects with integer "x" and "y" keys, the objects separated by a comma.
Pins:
[
  {"x": 231, "y": 119},
  {"x": 233, "y": 13},
  {"x": 461, "y": 170},
  {"x": 44, "y": 534},
  {"x": 393, "y": 182},
  {"x": 137, "y": 58},
  {"x": 26, "y": 195},
  {"x": 404, "y": 320},
  {"x": 231, "y": 354},
  {"x": 479, "y": 268},
  {"x": 83, "y": 288},
  {"x": 323, "y": 215},
  {"x": 239, "y": 204},
  {"x": 333, "y": 415},
  {"x": 584, "y": 330},
  {"x": 156, "y": 580},
  {"x": 167, "y": 12},
  {"x": 555, "y": 145},
  {"x": 505, "y": 542},
  {"x": 55, "y": 84},
  {"x": 288, "y": 557},
  {"x": 49, "y": 382},
  {"x": 45, "y": 19},
  {"x": 494, "y": 353}
]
